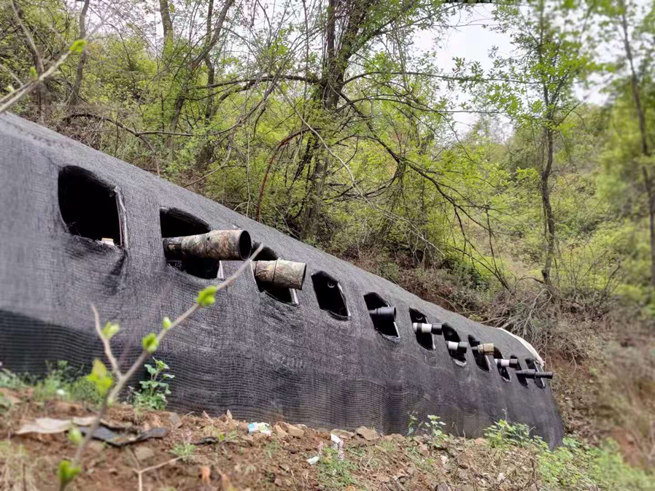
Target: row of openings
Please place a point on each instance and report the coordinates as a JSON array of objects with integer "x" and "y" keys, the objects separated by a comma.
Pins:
[{"x": 90, "y": 208}]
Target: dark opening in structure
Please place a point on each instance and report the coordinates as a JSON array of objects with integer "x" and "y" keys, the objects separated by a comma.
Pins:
[
  {"x": 522, "y": 380},
  {"x": 504, "y": 372},
  {"x": 89, "y": 206},
  {"x": 450, "y": 335},
  {"x": 330, "y": 295},
  {"x": 382, "y": 315},
  {"x": 281, "y": 294},
  {"x": 425, "y": 339},
  {"x": 480, "y": 358},
  {"x": 176, "y": 223},
  {"x": 532, "y": 365}
]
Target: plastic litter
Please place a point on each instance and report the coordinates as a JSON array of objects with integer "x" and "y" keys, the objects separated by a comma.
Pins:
[
  {"x": 263, "y": 428},
  {"x": 314, "y": 460},
  {"x": 337, "y": 444}
]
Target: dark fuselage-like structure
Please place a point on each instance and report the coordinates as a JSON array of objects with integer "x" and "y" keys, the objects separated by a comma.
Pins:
[{"x": 79, "y": 227}]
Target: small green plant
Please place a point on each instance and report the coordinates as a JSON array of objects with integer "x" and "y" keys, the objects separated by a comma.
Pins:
[
  {"x": 335, "y": 473},
  {"x": 412, "y": 424},
  {"x": 9, "y": 380},
  {"x": 154, "y": 390},
  {"x": 65, "y": 382},
  {"x": 503, "y": 434},
  {"x": 184, "y": 451},
  {"x": 436, "y": 430}
]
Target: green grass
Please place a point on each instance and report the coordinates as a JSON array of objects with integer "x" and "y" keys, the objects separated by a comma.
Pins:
[
  {"x": 334, "y": 473},
  {"x": 184, "y": 451},
  {"x": 574, "y": 464},
  {"x": 64, "y": 382}
]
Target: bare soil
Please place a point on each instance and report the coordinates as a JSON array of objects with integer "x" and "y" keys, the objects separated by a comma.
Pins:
[{"x": 226, "y": 456}]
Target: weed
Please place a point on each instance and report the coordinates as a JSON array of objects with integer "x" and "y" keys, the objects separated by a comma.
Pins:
[
  {"x": 65, "y": 382},
  {"x": 9, "y": 380},
  {"x": 154, "y": 390},
  {"x": 435, "y": 427},
  {"x": 184, "y": 451},
  {"x": 576, "y": 465},
  {"x": 503, "y": 434},
  {"x": 335, "y": 473},
  {"x": 18, "y": 470},
  {"x": 271, "y": 449},
  {"x": 413, "y": 424}
]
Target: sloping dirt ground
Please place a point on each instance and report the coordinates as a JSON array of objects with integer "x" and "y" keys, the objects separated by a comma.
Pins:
[{"x": 226, "y": 456}]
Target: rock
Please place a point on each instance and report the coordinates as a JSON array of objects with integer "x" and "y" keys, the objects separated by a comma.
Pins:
[
  {"x": 500, "y": 478},
  {"x": 443, "y": 487},
  {"x": 280, "y": 432},
  {"x": 96, "y": 446},
  {"x": 367, "y": 433},
  {"x": 144, "y": 453},
  {"x": 295, "y": 431},
  {"x": 174, "y": 420},
  {"x": 343, "y": 434}
]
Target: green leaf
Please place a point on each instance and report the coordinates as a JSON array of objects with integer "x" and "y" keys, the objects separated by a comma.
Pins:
[
  {"x": 78, "y": 46},
  {"x": 110, "y": 330},
  {"x": 67, "y": 472},
  {"x": 100, "y": 377},
  {"x": 33, "y": 74},
  {"x": 75, "y": 436},
  {"x": 150, "y": 343},
  {"x": 166, "y": 323},
  {"x": 206, "y": 296}
]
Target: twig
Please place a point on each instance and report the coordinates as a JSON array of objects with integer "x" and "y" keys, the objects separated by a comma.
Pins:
[
  {"x": 140, "y": 472},
  {"x": 121, "y": 379}
]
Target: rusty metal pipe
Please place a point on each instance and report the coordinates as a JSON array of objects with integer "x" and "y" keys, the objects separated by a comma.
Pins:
[
  {"x": 216, "y": 244},
  {"x": 281, "y": 273}
]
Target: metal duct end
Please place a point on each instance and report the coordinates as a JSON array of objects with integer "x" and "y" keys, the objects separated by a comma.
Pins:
[
  {"x": 216, "y": 244},
  {"x": 383, "y": 314},
  {"x": 281, "y": 273}
]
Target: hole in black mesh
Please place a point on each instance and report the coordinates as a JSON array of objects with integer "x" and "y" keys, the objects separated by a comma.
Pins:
[
  {"x": 329, "y": 295},
  {"x": 533, "y": 366},
  {"x": 281, "y": 294},
  {"x": 504, "y": 373},
  {"x": 480, "y": 358},
  {"x": 451, "y": 335},
  {"x": 176, "y": 223},
  {"x": 88, "y": 206},
  {"x": 425, "y": 339},
  {"x": 382, "y": 315}
]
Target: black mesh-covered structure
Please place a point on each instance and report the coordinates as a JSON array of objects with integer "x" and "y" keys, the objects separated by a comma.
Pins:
[{"x": 313, "y": 356}]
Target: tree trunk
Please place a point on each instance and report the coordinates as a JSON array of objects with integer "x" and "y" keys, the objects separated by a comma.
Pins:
[
  {"x": 328, "y": 97},
  {"x": 75, "y": 92},
  {"x": 548, "y": 210},
  {"x": 651, "y": 219},
  {"x": 645, "y": 149},
  {"x": 166, "y": 21}
]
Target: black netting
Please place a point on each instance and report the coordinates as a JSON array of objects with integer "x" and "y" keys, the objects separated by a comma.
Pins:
[{"x": 262, "y": 358}]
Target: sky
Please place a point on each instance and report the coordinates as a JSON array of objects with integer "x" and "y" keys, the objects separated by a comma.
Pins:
[{"x": 471, "y": 39}]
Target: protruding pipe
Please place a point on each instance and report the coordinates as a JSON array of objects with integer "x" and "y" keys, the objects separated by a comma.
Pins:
[
  {"x": 453, "y": 346},
  {"x": 383, "y": 314},
  {"x": 285, "y": 274},
  {"x": 502, "y": 362},
  {"x": 485, "y": 349},
  {"x": 216, "y": 244},
  {"x": 534, "y": 374},
  {"x": 424, "y": 328}
]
